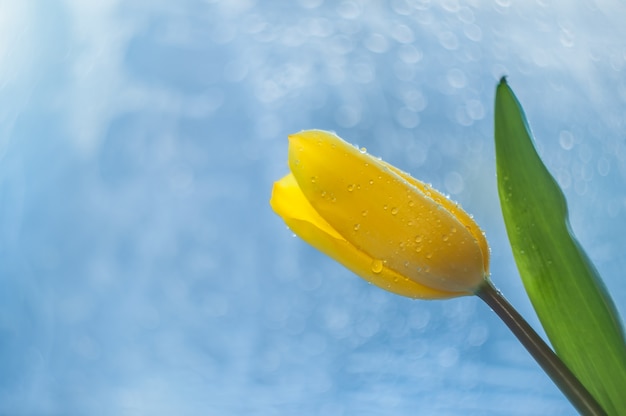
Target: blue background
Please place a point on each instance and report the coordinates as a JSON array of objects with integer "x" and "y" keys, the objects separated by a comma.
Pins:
[{"x": 142, "y": 271}]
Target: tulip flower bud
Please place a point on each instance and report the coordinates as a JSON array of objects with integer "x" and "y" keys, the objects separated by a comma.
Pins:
[{"x": 387, "y": 227}]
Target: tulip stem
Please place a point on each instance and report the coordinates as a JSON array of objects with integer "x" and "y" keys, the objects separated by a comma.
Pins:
[{"x": 560, "y": 374}]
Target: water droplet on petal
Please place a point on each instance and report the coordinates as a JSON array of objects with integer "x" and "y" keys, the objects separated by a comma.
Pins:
[
  {"x": 363, "y": 150},
  {"x": 419, "y": 238},
  {"x": 351, "y": 187},
  {"x": 445, "y": 237},
  {"x": 356, "y": 227},
  {"x": 377, "y": 266},
  {"x": 364, "y": 213},
  {"x": 313, "y": 179},
  {"x": 394, "y": 210}
]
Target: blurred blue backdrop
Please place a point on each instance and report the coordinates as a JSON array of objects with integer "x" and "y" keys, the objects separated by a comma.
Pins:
[{"x": 142, "y": 271}]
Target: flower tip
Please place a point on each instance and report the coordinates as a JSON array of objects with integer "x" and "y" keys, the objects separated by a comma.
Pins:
[
  {"x": 297, "y": 138},
  {"x": 307, "y": 142}
]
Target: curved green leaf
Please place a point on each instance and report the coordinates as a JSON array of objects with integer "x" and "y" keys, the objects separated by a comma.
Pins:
[{"x": 566, "y": 291}]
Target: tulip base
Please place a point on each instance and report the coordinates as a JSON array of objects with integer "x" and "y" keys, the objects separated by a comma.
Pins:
[{"x": 560, "y": 374}]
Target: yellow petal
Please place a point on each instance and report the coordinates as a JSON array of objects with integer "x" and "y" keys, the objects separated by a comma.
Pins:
[
  {"x": 453, "y": 208},
  {"x": 289, "y": 202},
  {"x": 385, "y": 215}
]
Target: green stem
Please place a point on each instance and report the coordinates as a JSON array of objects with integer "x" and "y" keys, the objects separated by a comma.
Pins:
[{"x": 565, "y": 380}]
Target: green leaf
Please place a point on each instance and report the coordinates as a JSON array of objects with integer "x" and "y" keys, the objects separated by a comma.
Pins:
[{"x": 564, "y": 287}]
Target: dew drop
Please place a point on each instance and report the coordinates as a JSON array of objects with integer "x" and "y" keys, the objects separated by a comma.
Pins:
[
  {"x": 313, "y": 179},
  {"x": 351, "y": 187},
  {"x": 429, "y": 255},
  {"x": 356, "y": 227},
  {"x": 371, "y": 182},
  {"x": 394, "y": 210},
  {"x": 377, "y": 266},
  {"x": 385, "y": 207},
  {"x": 419, "y": 238},
  {"x": 364, "y": 213},
  {"x": 445, "y": 237},
  {"x": 363, "y": 150},
  {"x": 453, "y": 230}
]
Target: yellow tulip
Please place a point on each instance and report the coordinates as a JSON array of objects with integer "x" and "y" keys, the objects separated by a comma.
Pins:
[{"x": 387, "y": 227}]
